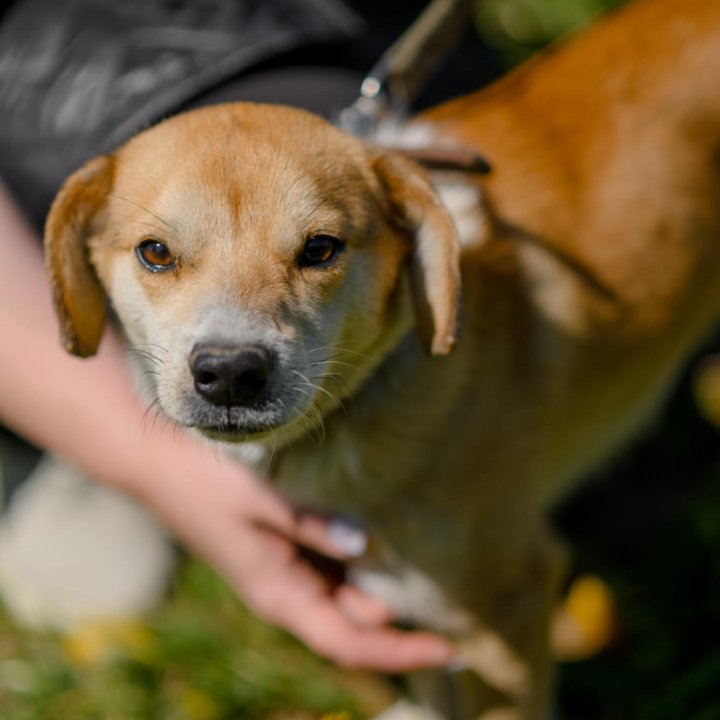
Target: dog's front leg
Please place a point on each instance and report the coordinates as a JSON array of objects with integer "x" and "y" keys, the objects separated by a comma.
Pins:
[{"x": 504, "y": 669}]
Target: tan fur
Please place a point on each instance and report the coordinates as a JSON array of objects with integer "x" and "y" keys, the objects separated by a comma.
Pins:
[
  {"x": 597, "y": 273},
  {"x": 79, "y": 298}
]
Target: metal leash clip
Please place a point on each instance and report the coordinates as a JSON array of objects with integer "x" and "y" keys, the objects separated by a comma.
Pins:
[
  {"x": 391, "y": 86},
  {"x": 364, "y": 115}
]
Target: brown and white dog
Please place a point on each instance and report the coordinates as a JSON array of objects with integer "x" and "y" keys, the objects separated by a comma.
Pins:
[{"x": 285, "y": 267}]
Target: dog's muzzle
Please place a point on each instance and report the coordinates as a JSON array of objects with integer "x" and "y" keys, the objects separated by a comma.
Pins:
[{"x": 231, "y": 376}]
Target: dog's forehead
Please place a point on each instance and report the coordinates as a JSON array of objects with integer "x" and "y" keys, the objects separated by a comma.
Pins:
[
  {"x": 242, "y": 140},
  {"x": 244, "y": 160}
]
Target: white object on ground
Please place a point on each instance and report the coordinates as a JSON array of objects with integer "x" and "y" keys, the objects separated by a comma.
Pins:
[{"x": 72, "y": 550}]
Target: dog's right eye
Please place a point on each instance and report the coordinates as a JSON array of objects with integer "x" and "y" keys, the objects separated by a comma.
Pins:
[
  {"x": 155, "y": 256},
  {"x": 319, "y": 250}
]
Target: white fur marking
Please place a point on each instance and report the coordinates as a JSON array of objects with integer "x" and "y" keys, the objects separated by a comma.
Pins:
[
  {"x": 552, "y": 290},
  {"x": 463, "y": 199},
  {"x": 464, "y": 203}
]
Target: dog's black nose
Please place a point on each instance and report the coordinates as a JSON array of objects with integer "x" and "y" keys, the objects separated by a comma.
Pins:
[{"x": 231, "y": 376}]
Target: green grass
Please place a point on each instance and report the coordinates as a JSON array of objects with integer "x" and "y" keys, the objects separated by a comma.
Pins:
[
  {"x": 518, "y": 28},
  {"x": 650, "y": 527},
  {"x": 202, "y": 656}
]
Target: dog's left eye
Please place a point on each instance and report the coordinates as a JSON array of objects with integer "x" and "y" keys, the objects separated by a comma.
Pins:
[
  {"x": 319, "y": 250},
  {"x": 155, "y": 256}
]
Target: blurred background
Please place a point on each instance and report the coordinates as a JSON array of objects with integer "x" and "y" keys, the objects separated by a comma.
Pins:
[{"x": 648, "y": 526}]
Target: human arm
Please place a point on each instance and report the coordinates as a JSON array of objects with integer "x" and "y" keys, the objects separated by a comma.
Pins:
[{"x": 88, "y": 413}]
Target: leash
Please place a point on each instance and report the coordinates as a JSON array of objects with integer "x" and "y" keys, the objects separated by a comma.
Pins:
[
  {"x": 390, "y": 87},
  {"x": 387, "y": 92},
  {"x": 394, "y": 82}
]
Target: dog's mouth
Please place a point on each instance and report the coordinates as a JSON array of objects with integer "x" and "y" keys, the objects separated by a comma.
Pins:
[
  {"x": 284, "y": 421},
  {"x": 239, "y": 424},
  {"x": 232, "y": 433},
  {"x": 235, "y": 394},
  {"x": 236, "y": 424}
]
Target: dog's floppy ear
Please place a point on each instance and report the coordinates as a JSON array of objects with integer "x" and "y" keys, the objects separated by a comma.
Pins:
[
  {"x": 435, "y": 259},
  {"x": 73, "y": 219}
]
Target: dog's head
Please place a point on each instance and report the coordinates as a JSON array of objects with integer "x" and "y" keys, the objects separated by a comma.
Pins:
[{"x": 260, "y": 254}]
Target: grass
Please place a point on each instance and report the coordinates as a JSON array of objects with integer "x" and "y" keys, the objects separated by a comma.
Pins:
[
  {"x": 650, "y": 527},
  {"x": 202, "y": 656},
  {"x": 518, "y": 28}
]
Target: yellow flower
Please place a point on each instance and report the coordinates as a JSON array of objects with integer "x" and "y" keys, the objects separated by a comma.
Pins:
[
  {"x": 199, "y": 706},
  {"x": 97, "y": 641},
  {"x": 707, "y": 389},
  {"x": 586, "y": 622}
]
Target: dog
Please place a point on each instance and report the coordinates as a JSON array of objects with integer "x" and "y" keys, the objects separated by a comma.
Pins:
[{"x": 436, "y": 356}]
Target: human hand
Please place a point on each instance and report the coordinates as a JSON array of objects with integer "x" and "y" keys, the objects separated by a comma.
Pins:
[
  {"x": 254, "y": 539},
  {"x": 88, "y": 413}
]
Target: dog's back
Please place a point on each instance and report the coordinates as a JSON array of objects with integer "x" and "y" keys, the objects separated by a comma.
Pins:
[
  {"x": 595, "y": 271},
  {"x": 606, "y": 184}
]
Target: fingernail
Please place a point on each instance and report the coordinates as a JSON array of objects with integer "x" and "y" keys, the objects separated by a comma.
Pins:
[{"x": 349, "y": 539}]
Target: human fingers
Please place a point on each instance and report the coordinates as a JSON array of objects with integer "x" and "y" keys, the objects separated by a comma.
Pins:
[
  {"x": 325, "y": 628},
  {"x": 300, "y": 601},
  {"x": 253, "y": 550},
  {"x": 361, "y": 609},
  {"x": 335, "y": 537},
  {"x": 339, "y": 540}
]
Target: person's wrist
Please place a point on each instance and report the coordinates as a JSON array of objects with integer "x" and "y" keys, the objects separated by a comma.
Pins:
[{"x": 148, "y": 460}]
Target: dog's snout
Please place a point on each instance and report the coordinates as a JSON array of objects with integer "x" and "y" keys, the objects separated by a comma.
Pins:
[{"x": 231, "y": 376}]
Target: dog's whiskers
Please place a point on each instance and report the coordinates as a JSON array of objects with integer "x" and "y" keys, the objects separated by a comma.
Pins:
[
  {"x": 314, "y": 421},
  {"x": 145, "y": 387},
  {"x": 152, "y": 345},
  {"x": 326, "y": 347},
  {"x": 319, "y": 388},
  {"x": 339, "y": 350},
  {"x": 164, "y": 222},
  {"x": 335, "y": 377},
  {"x": 153, "y": 409},
  {"x": 152, "y": 225},
  {"x": 332, "y": 360},
  {"x": 142, "y": 354}
]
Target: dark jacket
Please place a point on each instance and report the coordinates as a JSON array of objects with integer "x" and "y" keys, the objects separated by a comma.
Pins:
[{"x": 78, "y": 77}]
